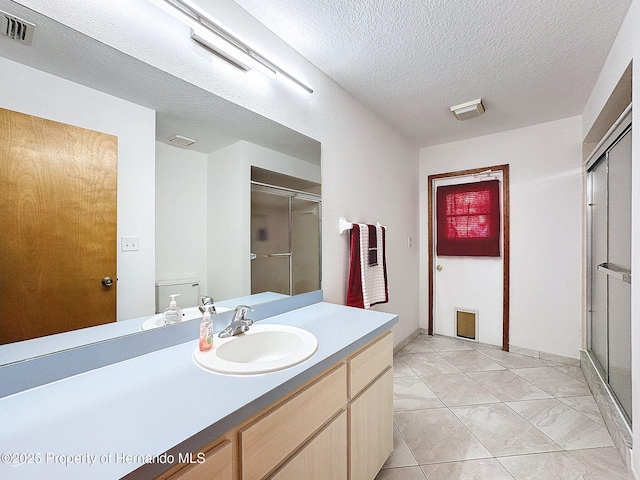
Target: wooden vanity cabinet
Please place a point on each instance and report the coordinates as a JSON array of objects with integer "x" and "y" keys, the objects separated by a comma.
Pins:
[{"x": 337, "y": 426}]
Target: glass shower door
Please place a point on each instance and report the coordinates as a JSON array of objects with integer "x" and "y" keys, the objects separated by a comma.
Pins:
[
  {"x": 285, "y": 240},
  {"x": 619, "y": 271},
  {"x": 270, "y": 243},
  {"x": 610, "y": 268}
]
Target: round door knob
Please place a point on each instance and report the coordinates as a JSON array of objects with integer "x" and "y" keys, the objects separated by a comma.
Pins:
[
  {"x": 107, "y": 281},
  {"x": 439, "y": 268}
]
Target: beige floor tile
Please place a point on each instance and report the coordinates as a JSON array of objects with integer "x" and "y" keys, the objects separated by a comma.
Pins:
[
  {"x": 401, "y": 455},
  {"x": 605, "y": 462},
  {"x": 410, "y": 393},
  {"x": 484, "y": 469},
  {"x": 458, "y": 389},
  {"x": 574, "y": 372},
  {"x": 436, "y": 436},
  {"x": 567, "y": 427},
  {"x": 425, "y": 364},
  {"x": 548, "y": 429},
  {"x": 415, "y": 346},
  {"x": 554, "y": 382},
  {"x": 404, "y": 473},
  {"x": 471, "y": 361},
  {"x": 444, "y": 344},
  {"x": 547, "y": 466},
  {"x": 401, "y": 369},
  {"x": 507, "y": 386},
  {"x": 502, "y": 431},
  {"x": 585, "y": 405}
]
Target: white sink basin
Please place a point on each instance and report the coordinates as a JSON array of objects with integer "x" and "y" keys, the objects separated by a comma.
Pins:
[
  {"x": 264, "y": 348},
  {"x": 190, "y": 313}
]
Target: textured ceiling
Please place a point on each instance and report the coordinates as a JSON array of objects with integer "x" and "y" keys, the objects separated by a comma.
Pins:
[{"x": 531, "y": 61}]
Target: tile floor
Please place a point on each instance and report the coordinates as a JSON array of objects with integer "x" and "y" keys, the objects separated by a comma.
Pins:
[{"x": 465, "y": 411}]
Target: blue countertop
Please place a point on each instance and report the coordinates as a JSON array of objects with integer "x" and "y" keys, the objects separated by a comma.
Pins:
[{"x": 110, "y": 422}]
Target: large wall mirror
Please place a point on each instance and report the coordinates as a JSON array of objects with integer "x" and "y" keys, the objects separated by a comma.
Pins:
[{"x": 183, "y": 214}]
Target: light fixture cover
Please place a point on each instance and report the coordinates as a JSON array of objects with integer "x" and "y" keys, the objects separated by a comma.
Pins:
[
  {"x": 182, "y": 141},
  {"x": 468, "y": 110}
]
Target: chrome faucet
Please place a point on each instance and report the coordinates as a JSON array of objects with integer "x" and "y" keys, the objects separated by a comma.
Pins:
[
  {"x": 207, "y": 302},
  {"x": 239, "y": 324}
]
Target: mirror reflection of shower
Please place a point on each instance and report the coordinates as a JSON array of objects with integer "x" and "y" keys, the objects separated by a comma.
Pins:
[{"x": 285, "y": 233}]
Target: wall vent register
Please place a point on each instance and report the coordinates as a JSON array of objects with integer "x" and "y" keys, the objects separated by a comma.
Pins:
[{"x": 16, "y": 29}]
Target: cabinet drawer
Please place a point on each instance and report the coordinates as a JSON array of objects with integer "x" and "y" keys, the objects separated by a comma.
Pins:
[
  {"x": 365, "y": 366},
  {"x": 272, "y": 438},
  {"x": 217, "y": 465},
  {"x": 323, "y": 458}
]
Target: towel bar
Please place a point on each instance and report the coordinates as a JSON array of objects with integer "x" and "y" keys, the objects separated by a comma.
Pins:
[{"x": 344, "y": 225}]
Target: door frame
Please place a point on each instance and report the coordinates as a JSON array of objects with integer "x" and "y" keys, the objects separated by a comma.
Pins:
[{"x": 505, "y": 242}]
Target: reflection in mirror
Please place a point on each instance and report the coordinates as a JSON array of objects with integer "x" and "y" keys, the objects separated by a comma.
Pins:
[
  {"x": 182, "y": 212},
  {"x": 285, "y": 233}
]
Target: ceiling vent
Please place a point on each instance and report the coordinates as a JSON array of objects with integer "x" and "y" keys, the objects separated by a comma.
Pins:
[
  {"x": 16, "y": 28},
  {"x": 181, "y": 141}
]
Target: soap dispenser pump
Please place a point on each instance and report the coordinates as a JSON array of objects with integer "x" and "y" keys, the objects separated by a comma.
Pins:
[
  {"x": 172, "y": 313},
  {"x": 206, "y": 330}
]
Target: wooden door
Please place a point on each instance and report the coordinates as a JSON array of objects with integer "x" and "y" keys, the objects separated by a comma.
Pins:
[{"x": 57, "y": 227}]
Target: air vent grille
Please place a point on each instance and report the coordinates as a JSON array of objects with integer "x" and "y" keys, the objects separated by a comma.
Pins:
[
  {"x": 16, "y": 28},
  {"x": 182, "y": 141}
]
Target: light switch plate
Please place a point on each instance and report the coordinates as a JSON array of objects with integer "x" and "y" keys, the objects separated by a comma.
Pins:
[{"x": 130, "y": 244}]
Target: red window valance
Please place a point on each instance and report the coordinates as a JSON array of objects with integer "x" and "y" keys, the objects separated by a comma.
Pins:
[{"x": 468, "y": 219}]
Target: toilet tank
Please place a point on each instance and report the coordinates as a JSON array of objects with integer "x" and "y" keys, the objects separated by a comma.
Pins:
[{"x": 188, "y": 288}]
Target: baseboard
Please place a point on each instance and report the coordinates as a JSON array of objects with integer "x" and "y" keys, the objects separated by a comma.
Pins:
[{"x": 552, "y": 357}]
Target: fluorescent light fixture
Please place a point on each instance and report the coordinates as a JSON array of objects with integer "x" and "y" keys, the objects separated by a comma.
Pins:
[
  {"x": 209, "y": 33},
  {"x": 467, "y": 110},
  {"x": 228, "y": 51}
]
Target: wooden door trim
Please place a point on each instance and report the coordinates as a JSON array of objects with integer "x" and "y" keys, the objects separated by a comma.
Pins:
[{"x": 505, "y": 242}]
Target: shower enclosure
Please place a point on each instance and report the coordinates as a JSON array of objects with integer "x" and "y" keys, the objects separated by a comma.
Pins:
[
  {"x": 609, "y": 265},
  {"x": 285, "y": 240}
]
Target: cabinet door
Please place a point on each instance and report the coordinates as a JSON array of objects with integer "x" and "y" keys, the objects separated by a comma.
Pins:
[
  {"x": 217, "y": 465},
  {"x": 323, "y": 458},
  {"x": 274, "y": 437},
  {"x": 371, "y": 428}
]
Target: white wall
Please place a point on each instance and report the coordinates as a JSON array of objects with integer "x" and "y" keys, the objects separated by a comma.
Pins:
[
  {"x": 546, "y": 229},
  {"x": 181, "y": 215},
  {"x": 43, "y": 95},
  {"x": 625, "y": 50},
  {"x": 229, "y": 198},
  {"x": 368, "y": 168}
]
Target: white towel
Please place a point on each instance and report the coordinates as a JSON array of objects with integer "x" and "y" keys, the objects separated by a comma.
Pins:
[{"x": 374, "y": 288}]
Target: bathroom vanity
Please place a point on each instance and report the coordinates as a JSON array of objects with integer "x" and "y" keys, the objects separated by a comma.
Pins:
[{"x": 161, "y": 416}]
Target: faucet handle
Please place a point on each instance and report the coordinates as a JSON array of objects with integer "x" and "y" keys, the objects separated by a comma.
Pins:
[
  {"x": 241, "y": 311},
  {"x": 205, "y": 303}
]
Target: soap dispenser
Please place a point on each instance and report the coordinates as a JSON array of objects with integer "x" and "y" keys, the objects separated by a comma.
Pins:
[
  {"x": 172, "y": 314},
  {"x": 206, "y": 330}
]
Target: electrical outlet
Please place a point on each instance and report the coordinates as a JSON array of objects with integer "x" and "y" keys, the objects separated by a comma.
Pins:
[
  {"x": 409, "y": 242},
  {"x": 130, "y": 244}
]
